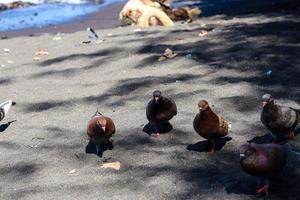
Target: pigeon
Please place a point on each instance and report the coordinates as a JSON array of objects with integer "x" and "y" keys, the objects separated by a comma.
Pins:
[
  {"x": 210, "y": 125},
  {"x": 280, "y": 120},
  {"x": 263, "y": 161},
  {"x": 160, "y": 110},
  {"x": 4, "y": 108},
  {"x": 99, "y": 130}
]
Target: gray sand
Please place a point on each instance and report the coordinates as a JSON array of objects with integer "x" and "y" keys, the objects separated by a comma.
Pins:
[{"x": 57, "y": 95}]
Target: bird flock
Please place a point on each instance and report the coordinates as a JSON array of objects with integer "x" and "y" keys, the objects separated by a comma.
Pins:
[{"x": 263, "y": 161}]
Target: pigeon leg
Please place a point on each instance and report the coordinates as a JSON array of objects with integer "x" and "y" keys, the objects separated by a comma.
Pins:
[
  {"x": 213, "y": 144},
  {"x": 99, "y": 150},
  {"x": 265, "y": 188},
  {"x": 156, "y": 135},
  {"x": 292, "y": 135}
]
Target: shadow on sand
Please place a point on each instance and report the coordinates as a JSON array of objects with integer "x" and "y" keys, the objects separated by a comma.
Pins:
[{"x": 205, "y": 146}]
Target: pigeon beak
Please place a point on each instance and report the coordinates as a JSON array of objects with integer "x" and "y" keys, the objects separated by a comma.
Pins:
[
  {"x": 156, "y": 99},
  {"x": 264, "y": 103},
  {"x": 103, "y": 127}
]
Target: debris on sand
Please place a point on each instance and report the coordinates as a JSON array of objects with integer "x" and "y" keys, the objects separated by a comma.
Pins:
[
  {"x": 56, "y": 38},
  {"x": 137, "y": 30},
  {"x": 72, "y": 171},
  {"x": 6, "y": 51},
  {"x": 168, "y": 54},
  {"x": 39, "y": 54},
  {"x": 113, "y": 165},
  {"x": 203, "y": 33}
]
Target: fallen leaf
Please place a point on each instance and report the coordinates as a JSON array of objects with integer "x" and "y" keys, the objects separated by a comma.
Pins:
[
  {"x": 109, "y": 34},
  {"x": 113, "y": 165},
  {"x": 10, "y": 62},
  {"x": 202, "y": 33},
  {"x": 72, "y": 171},
  {"x": 169, "y": 53},
  {"x": 41, "y": 52},
  {"x": 2, "y": 65}
]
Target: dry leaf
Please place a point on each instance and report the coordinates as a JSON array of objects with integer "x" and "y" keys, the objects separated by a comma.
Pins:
[
  {"x": 72, "y": 171},
  {"x": 56, "y": 38},
  {"x": 41, "y": 52},
  {"x": 109, "y": 34},
  {"x": 2, "y": 65},
  {"x": 169, "y": 53},
  {"x": 202, "y": 33},
  {"x": 10, "y": 62},
  {"x": 113, "y": 165}
]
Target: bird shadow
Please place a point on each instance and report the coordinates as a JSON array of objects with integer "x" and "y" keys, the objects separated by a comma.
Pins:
[
  {"x": 267, "y": 138},
  {"x": 3, "y": 127},
  {"x": 205, "y": 146},
  {"x": 91, "y": 148},
  {"x": 161, "y": 128}
]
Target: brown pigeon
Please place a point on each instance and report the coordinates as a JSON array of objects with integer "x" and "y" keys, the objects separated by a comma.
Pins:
[
  {"x": 263, "y": 161},
  {"x": 99, "y": 130},
  {"x": 280, "y": 120},
  {"x": 160, "y": 110},
  {"x": 210, "y": 125}
]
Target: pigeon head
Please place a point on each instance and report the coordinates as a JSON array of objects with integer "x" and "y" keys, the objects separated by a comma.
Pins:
[
  {"x": 246, "y": 150},
  {"x": 267, "y": 98},
  {"x": 203, "y": 105},
  {"x": 157, "y": 95}
]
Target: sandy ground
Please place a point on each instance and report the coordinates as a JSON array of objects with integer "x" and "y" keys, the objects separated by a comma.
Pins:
[{"x": 57, "y": 95}]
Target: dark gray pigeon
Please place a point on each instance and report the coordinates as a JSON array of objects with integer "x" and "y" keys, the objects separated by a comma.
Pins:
[
  {"x": 280, "y": 120},
  {"x": 160, "y": 110},
  {"x": 263, "y": 161}
]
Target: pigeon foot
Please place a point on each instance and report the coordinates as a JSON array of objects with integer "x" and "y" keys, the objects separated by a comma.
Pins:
[{"x": 263, "y": 189}]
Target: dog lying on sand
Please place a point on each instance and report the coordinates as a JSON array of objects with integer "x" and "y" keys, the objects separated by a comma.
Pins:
[
  {"x": 144, "y": 13},
  {"x": 155, "y": 12}
]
